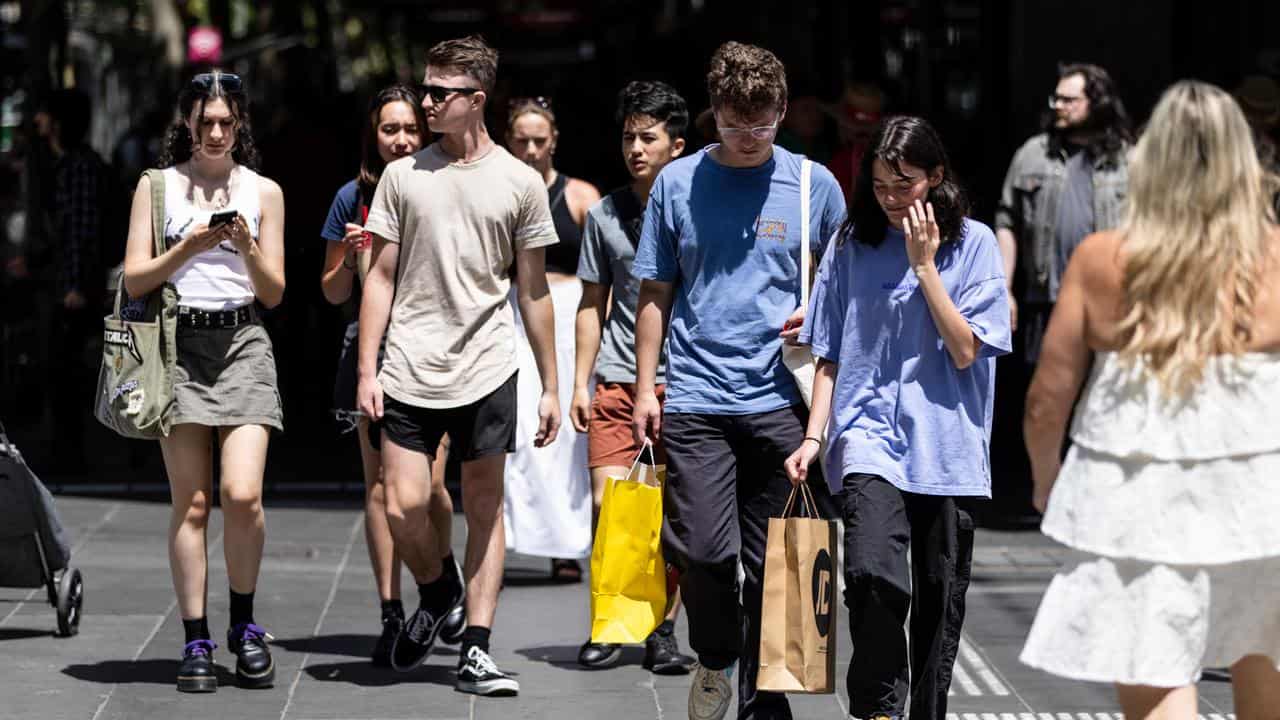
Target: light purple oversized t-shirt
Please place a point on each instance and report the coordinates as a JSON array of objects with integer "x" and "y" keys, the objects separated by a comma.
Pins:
[{"x": 901, "y": 409}]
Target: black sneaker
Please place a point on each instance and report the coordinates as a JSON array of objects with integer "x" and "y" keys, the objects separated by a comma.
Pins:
[
  {"x": 254, "y": 666},
  {"x": 599, "y": 655},
  {"x": 479, "y": 675},
  {"x": 413, "y": 643},
  {"x": 662, "y": 655},
  {"x": 392, "y": 622},
  {"x": 196, "y": 674},
  {"x": 456, "y": 621}
]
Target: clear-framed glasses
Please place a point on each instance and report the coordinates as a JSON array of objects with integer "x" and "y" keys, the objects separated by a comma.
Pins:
[
  {"x": 763, "y": 132},
  {"x": 1055, "y": 100}
]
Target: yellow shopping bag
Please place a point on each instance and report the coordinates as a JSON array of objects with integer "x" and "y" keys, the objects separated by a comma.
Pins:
[{"x": 628, "y": 573}]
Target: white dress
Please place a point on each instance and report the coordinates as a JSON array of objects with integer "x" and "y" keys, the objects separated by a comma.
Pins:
[
  {"x": 1173, "y": 507},
  {"x": 548, "y": 490}
]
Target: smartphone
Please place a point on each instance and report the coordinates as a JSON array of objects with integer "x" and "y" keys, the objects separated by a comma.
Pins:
[{"x": 222, "y": 218}]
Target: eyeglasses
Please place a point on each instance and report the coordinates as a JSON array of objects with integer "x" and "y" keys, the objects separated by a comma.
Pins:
[
  {"x": 763, "y": 132},
  {"x": 229, "y": 82},
  {"x": 1055, "y": 100},
  {"x": 440, "y": 93}
]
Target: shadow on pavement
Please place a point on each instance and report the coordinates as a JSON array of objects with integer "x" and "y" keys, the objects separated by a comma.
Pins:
[
  {"x": 350, "y": 644},
  {"x": 23, "y": 633},
  {"x": 565, "y": 657},
  {"x": 364, "y": 674},
  {"x": 529, "y": 577},
  {"x": 345, "y": 644},
  {"x": 156, "y": 671}
]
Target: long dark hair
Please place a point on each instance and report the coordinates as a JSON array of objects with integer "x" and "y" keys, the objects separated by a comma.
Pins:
[
  {"x": 371, "y": 162},
  {"x": 1108, "y": 127},
  {"x": 909, "y": 140},
  {"x": 178, "y": 143}
]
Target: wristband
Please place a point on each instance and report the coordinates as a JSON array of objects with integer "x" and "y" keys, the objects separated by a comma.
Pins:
[{"x": 807, "y": 437}]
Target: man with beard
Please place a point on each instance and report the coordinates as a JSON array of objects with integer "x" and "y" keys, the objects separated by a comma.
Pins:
[{"x": 1063, "y": 184}]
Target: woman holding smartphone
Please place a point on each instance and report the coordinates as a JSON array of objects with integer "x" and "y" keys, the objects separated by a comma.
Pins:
[
  {"x": 224, "y": 230},
  {"x": 393, "y": 129},
  {"x": 908, "y": 314}
]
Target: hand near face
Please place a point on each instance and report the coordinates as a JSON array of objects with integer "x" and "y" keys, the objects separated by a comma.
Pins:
[{"x": 921, "y": 236}]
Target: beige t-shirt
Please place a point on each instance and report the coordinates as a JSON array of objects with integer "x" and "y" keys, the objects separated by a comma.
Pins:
[{"x": 451, "y": 339}]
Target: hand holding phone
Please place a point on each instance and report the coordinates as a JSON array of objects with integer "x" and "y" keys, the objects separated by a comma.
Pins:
[{"x": 219, "y": 219}]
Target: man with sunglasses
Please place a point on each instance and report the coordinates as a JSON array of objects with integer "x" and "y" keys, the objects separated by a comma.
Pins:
[
  {"x": 451, "y": 223},
  {"x": 719, "y": 256}
]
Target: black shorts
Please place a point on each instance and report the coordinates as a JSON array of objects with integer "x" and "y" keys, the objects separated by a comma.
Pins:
[{"x": 485, "y": 427}]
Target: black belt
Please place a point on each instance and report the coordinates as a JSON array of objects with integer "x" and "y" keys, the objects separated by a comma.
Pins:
[{"x": 215, "y": 319}]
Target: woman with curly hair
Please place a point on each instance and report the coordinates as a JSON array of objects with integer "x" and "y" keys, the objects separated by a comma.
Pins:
[
  {"x": 908, "y": 314},
  {"x": 224, "y": 239},
  {"x": 1168, "y": 495}
]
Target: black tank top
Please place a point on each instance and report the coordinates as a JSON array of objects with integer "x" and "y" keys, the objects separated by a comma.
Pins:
[{"x": 563, "y": 256}]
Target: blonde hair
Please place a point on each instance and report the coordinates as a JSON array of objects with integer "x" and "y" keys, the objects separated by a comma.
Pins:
[{"x": 1195, "y": 235}]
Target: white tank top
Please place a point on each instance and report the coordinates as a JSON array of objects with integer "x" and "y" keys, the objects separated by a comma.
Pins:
[{"x": 216, "y": 279}]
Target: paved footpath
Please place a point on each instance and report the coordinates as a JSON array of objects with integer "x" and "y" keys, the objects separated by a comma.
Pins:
[{"x": 316, "y": 597}]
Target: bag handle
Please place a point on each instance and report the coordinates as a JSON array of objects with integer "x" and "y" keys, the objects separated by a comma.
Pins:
[
  {"x": 648, "y": 445},
  {"x": 157, "y": 228},
  {"x": 808, "y": 506}
]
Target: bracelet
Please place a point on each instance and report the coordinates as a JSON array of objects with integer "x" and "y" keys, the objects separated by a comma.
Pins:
[
  {"x": 349, "y": 267},
  {"x": 807, "y": 437}
]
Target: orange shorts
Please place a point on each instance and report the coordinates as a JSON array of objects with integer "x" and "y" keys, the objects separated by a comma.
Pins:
[{"x": 610, "y": 440}]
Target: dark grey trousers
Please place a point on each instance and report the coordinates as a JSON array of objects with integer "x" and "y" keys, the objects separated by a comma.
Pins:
[
  {"x": 725, "y": 479},
  {"x": 883, "y": 524}
]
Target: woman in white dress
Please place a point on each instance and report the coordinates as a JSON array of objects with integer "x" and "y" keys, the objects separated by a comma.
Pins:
[
  {"x": 548, "y": 489},
  {"x": 1171, "y": 489}
]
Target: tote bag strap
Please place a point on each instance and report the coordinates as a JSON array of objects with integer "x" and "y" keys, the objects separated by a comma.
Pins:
[
  {"x": 157, "y": 228},
  {"x": 806, "y": 171}
]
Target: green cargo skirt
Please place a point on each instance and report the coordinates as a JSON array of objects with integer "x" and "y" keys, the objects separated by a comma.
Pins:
[{"x": 226, "y": 377}]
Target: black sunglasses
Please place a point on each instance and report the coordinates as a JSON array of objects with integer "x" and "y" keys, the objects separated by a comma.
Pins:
[
  {"x": 440, "y": 93},
  {"x": 229, "y": 82}
]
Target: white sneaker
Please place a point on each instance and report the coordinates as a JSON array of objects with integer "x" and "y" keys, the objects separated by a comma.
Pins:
[
  {"x": 710, "y": 694},
  {"x": 478, "y": 674}
]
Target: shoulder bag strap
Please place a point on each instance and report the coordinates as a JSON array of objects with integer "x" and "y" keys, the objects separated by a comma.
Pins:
[{"x": 806, "y": 170}]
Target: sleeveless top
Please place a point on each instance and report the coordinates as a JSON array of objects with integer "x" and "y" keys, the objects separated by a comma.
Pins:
[
  {"x": 563, "y": 256},
  {"x": 216, "y": 279},
  {"x": 1187, "y": 480}
]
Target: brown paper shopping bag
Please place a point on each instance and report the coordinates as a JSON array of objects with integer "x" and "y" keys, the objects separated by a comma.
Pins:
[{"x": 797, "y": 615}]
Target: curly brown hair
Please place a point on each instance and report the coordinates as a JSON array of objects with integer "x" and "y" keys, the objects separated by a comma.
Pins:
[
  {"x": 746, "y": 79},
  {"x": 179, "y": 144},
  {"x": 470, "y": 56}
]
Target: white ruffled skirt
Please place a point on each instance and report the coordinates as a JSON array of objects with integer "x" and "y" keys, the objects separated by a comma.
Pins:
[{"x": 1175, "y": 516}]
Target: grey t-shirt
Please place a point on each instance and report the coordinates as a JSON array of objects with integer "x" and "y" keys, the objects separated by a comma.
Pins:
[
  {"x": 1075, "y": 214},
  {"x": 608, "y": 253}
]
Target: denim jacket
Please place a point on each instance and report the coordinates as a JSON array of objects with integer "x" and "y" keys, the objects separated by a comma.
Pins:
[{"x": 1029, "y": 208}]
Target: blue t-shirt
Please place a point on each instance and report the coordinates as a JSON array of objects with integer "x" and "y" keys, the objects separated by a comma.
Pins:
[
  {"x": 901, "y": 409},
  {"x": 729, "y": 240},
  {"x": 345, "y": 209}
]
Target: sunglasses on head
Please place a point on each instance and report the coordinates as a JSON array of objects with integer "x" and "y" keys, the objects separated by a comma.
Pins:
[
  {"x": 229, "y": 82},
  {"x": 440, "y": 93},
  {"x": 540, "y": 101}
]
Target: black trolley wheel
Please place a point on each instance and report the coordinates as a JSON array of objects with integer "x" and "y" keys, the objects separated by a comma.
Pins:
[{"x": 70, "y": 599}]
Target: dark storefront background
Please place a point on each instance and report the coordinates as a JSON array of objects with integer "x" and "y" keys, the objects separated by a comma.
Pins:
[{"x": 978, "y": 70}]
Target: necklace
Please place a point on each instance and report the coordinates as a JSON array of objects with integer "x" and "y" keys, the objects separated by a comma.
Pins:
[{"x": 218, "y": 201}]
